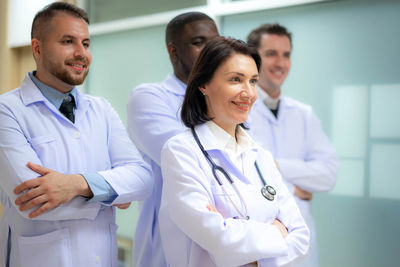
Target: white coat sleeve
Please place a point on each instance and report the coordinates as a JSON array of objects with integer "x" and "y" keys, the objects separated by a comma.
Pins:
[
  {"x": 15, "y": 153},
  {"x": 129, "y": 176},
  {"x": 230, "y": 242},
  {"x": 317, "y": 172},
  {"x": 151, "y": 121},
  {"x": 298, "y": 237}
]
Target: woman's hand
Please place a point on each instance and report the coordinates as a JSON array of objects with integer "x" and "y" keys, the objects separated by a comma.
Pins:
[{"x": 281, "y": 227}]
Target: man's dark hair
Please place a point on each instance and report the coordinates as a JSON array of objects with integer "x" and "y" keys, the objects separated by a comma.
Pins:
[
  {"x": 216, "y": 52},
  {"x": 41, "y": 22},
  {"x": 253, "y": 39},
  {"x": 175, "y": 26}
]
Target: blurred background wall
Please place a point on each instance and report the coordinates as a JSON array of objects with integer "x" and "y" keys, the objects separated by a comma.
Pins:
[{"x": 345, "y": 63}]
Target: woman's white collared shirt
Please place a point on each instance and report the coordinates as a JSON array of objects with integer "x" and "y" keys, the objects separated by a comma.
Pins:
[{"x": 192, "y": 235}]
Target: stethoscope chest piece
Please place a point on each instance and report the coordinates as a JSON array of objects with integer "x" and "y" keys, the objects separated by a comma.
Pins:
[{"x": 268, "y": 192}]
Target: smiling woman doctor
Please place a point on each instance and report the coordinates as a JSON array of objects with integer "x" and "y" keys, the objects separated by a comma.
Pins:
[{"x": 224, "y": 203}]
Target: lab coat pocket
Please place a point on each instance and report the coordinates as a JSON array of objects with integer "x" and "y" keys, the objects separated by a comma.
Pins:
[
  {"x": 55, "y": 245},
  {"x": 223, "y": 201},
  {"x": 46, "y": 148}
]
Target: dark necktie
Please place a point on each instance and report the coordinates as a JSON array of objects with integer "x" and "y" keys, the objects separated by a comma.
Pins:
[{"x": 67, "y": 107}]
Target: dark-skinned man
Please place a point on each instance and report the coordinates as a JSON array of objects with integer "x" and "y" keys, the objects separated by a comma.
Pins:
[{"x": 154, "y": 117}]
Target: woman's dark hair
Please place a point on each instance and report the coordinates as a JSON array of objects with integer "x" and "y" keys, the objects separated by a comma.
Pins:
[{"x": 216, "y": 52}]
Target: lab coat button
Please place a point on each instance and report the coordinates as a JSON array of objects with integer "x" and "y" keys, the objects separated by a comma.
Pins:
[
  {"x": 77, "y": 134},
  {"x": 97, "y": 259}
]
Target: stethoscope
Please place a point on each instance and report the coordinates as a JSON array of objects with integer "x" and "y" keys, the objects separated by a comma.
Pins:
[{"x": 267, "y": 191}]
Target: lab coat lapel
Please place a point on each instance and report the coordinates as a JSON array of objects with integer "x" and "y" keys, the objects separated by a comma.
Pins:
[
  {"x": 249, "y": 159},
  {"x": 82, "y": 106},
  {"x": 285, "y": 105},
  {"x": 31, "y": 94},
  {"x": 265, "y": 112}
]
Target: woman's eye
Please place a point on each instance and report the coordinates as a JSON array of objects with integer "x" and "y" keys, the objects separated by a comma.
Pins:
[
  {"x": 253, "y": 81},
  {"x": 235, "y": 79}
]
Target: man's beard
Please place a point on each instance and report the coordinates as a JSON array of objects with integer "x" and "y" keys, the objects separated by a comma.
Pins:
[{"x": 62, "y": 73}]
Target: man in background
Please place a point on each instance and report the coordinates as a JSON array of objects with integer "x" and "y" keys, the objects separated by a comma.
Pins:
[
  {"x": 65, "y": 157},
  {"x": 289, "y": 129},
  {"x": 154, "y": 116}
]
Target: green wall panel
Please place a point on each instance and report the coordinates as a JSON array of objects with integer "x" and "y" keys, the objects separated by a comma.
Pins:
[{"x": 123, "y": 60}]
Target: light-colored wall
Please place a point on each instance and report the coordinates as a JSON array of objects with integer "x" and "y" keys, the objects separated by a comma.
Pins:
[
  {"x": 12, "y": 60},
  {"x": 16, "y": 62}
]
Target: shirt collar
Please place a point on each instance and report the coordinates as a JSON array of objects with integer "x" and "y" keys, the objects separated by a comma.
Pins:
[
  {"x": 271, "y": 103},
  {"x": 54, "y": 96},
  {"x": 227, "y": 143}
]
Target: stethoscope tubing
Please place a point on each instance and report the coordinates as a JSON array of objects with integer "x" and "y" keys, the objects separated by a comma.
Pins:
[
  {"x": 215, "y": 168},
  {"x": 267, "y": 191}
]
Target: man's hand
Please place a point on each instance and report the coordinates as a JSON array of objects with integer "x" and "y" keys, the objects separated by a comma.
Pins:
[
  {"x": 281, "y": 227},
  {"x": 123, "y": 206},
  {"x": 50, "y": 190},
  {"x": 302, "y": 194}
]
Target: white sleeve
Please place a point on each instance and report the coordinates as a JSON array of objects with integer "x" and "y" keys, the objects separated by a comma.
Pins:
[
  {"x": 129, "y": 176},
  {"x": 318, "y": 171},
  {"x": 298, "y": 237},
  {"x": 230, "y": 242}
]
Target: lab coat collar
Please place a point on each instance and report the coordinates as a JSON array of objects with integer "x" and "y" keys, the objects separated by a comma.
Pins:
[
  {"x": 30, "y": 93},
  {"x": 228, "y": 143},
  {"x": 174, "y": 85},
  {"x": 284, "y": 104},
  {"x": 209, "y": 143}
]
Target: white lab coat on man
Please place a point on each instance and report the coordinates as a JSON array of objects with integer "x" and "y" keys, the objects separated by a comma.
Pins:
[
  {"x": 80, "y": 232},
  {"x": 195, "y": 236},
  {"x": 304, "y": 154},
  {"x": 153, "y": 117}
]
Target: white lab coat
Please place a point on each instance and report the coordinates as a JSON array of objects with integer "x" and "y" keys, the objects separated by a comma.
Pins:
[
  {"x": 80, "y": 232},
  {"x": 304, "y": 154},
  {"x": 153, "y": 117},
  {"x": 194, "y": 236}
]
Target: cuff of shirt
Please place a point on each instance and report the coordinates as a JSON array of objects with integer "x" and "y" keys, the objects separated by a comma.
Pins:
[{"x": 101, "y": 189}]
